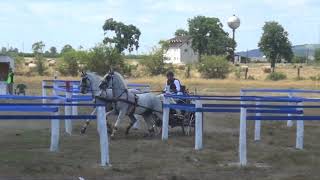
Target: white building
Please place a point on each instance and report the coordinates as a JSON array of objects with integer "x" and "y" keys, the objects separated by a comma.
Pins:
[
  {"x": 5, "y": 63},
  {"x": 180, "y": 51}
]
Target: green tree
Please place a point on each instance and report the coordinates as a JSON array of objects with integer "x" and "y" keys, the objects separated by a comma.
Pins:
[
  {"x": 214, "y": 67},
  {"x": 275, "y": 44},
  {"x": 53, "y": 51},
  {"x": 164, "y": 45},
  {"x": 66, "y": 48},
  {"x": 126, "y": 36},
  {"x": 38, "y": 48},
  {"x": 103, "y": 58},
  {"x": 181, "y": 32},
  {"x": 208, "y": 37},
  {"x": 69, "y": 63},
  {"x": 154, "y": 63},
  {"x": 3, "y": 50},
  {"x": 317, "y": 55}
]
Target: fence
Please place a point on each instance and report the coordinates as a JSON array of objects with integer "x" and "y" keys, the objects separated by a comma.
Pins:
[{"x": 296, "y": 113}]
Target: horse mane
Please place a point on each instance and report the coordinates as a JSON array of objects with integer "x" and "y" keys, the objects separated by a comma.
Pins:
[{"x": 121, "y": 79}]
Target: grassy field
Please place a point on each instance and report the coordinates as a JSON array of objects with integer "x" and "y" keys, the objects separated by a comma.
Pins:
[{"x": 24, "y": 145}]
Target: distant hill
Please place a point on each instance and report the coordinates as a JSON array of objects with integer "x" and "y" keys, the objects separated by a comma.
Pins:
[{"x": 298, "y": 50}]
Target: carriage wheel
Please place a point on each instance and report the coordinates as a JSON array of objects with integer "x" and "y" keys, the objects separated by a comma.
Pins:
[
  {"x": 157, "y": 125},
  {"x": 190, "y": 124}
]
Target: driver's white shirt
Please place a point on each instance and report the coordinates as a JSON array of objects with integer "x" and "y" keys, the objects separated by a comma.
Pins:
[{"x": 178, "y": 87}]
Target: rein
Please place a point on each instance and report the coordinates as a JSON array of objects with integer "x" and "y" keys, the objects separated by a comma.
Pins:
[{"x": 113, "y": 100}]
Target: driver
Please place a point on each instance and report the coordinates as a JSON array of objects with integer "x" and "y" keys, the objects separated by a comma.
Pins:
[{"x": 173, "y": 84}]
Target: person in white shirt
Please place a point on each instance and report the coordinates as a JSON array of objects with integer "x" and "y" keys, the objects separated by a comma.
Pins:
[{"x": 173, "y": 83}]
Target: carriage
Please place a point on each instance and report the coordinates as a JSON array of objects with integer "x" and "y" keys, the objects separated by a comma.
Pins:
[{"x": 183, "y": 119}]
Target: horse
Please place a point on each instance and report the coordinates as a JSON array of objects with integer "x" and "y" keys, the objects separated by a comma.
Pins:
[
  {"x": 147, "y": 105},
  {"x": 90, "y": 83}
]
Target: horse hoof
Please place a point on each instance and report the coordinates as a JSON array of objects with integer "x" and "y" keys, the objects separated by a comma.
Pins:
[{"x": 83, "y": 131}]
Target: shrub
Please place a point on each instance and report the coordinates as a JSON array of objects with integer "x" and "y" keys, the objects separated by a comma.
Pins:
[
  {"x": 237, "y": 73},
  {"x": 251, "y": 77},
  {"x": 315, "y": 78},
  {"x": 41, "y": 67},
  {"x": 214, "y": 67},
  {"x": 188, "y": 71},
  {"x": 154, "y": 63},
  {"x": 276, "y": 76}
]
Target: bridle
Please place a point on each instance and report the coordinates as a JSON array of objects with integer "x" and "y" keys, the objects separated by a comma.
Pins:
[
  {"x": 104, "y": 85},
  {"x": 85, "y": 85}
]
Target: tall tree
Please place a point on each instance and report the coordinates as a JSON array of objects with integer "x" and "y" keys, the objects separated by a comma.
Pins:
[
  {"x": 317, "y": 55},
  {"x": 53, "y": 51},
  {"x": 181, "y": 32},
  {"x": 38, "y": 47},
  {"x": 275, "y": 44},
  {"x": 66, "y": 48},
  {"x": 126, "y": 36},
  {"x": 208, "y": 37}
]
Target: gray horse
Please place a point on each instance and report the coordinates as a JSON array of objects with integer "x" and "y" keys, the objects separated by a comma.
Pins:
[
  {"x": 147, "y": 104},
  {"x": 90, "y": 83}
]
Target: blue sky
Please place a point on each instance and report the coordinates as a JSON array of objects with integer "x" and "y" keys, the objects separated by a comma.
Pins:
[{"x": 79, "y": 22}]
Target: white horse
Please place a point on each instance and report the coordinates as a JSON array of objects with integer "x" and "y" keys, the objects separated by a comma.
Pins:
[
  {"x": 90, "y": 83},
  {"x": 147, "y": 104}
]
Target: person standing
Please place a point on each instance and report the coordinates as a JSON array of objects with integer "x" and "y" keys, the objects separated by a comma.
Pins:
[{"x": 10, "y": 81}]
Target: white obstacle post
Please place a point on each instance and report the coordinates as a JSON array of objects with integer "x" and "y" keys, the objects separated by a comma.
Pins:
[
  {"x": 300, "y": 130},
  {"x": 290, "y": 122},
  {"x": 165, "y": 117},
  {"x": 199, "y": 127},
  {"x": 67, "y": 112},
  {"x": 243, "y": 134},
  {"x": 44, "y": 91},
  {"x": 103, "y": 133},
  {"x": 55, "y": 126},
  {"x": 257, "y": 124},
  {"x": 74, "y": 108}
]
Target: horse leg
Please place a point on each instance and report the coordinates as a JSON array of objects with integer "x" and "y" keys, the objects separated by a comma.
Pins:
[
  {"x": 132, "y": 121},
  {"x": 148, "y": 118},
  {"x": 85, "y": 126},
  {"x": 115, "y": 127}
]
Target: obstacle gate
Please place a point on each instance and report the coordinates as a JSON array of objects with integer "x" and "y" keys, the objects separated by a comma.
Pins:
[{"x": 246, "y": 106}]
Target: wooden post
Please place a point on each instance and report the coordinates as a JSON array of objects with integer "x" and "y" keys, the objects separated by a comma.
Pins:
[{"x": 198, "y": 127}]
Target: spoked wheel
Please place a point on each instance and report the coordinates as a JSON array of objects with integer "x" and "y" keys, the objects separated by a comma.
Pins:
[
  {"x": 157, "y": 125},
  {"x": 190, "y": 124}
]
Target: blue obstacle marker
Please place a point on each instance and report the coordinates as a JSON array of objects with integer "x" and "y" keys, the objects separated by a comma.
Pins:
[
  {"x": 46, "y": 117},
  {"x": 14, "y": 97},
  {"x": 281, "y": 90},
  {"x": 50, "y": 104},
  {"x": 17, "y": 108},
  {"x": 284, "y": 118}
]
